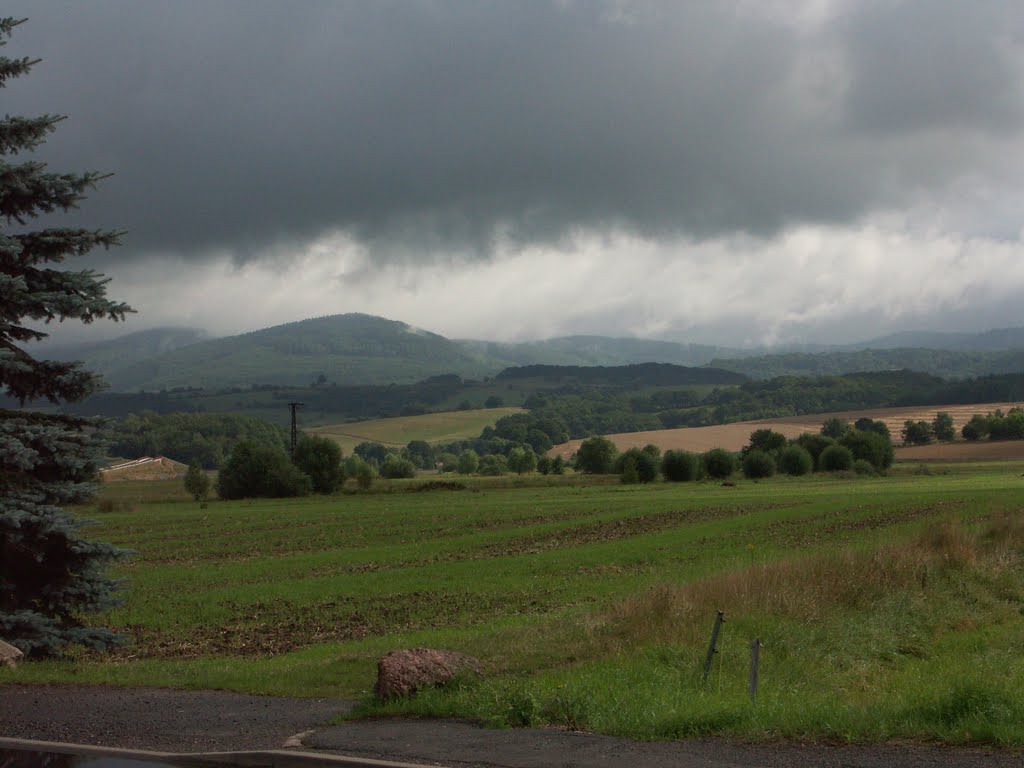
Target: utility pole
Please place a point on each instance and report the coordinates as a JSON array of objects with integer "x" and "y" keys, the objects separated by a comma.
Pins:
[{"x": 295, "y": 430}]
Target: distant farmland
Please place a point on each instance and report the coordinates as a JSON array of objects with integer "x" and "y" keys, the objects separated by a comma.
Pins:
[
  {"x": 398, "y": 432},
  {"x": 733, "y": 437}
]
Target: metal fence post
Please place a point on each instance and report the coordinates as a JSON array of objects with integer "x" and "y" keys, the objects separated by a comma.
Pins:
[
  {"x": 713, "y": 647},
  {"x": 755, "y": 659}
]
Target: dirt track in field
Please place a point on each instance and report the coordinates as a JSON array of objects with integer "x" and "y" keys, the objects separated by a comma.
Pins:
[{"x": 734, "y": 437}]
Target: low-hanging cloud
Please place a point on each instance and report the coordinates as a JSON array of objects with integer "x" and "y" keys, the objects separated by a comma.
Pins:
[{"x": 424, "y": 129}]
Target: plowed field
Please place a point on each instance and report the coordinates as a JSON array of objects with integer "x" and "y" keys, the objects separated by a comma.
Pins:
[{"x": 733, "y": 437}]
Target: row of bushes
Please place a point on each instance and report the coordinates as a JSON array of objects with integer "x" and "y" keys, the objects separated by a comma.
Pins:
[{"x": 864, "y": 448}]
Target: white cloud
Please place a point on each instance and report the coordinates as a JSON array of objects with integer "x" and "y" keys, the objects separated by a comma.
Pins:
[{"x": 807, "y": 283}]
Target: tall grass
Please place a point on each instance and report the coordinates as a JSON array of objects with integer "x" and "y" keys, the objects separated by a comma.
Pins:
[{"x": 911, "y": 639}]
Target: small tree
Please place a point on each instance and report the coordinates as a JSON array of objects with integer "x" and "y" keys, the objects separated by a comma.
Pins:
[
  {"x": 943, "y": 427},
  {"x": 680, "y": 466},
  {"x": 815, "y": 444},
  {"x": 558, "y": 466},
  {"x": 758, "y": 464},
  {"x": 469, "y": 462},
  {"x": 795, "y": 460},
  {"x": 493, "y": 464},
  {"x": 835, "y": 458},
  {"x": 766, "y": 440},
  {"x": 396, "y": 467},
  {"x": 420, "y": 453},
  {"x": 718, "y": 463},
  {"x": 870, "y": 446},
  {"x": 596, "y": 456},
  {"x": 645, "y": 461},
  {"x": 917, "y": 432},
  {"x": 197, "y": 484},
  {"x": 522, "y": 460},
  {"x": 51, "y": 577},
  {"x": 364, "y": 475},
  {"x": 975, "y": 429},
  {"x": 864, "y": 424},
  {"x": 320, "y": 459},
  {"x": 448, "y": 462},
  {"x": 258, "y": 471},
  {"x": 835, "y": 428}
]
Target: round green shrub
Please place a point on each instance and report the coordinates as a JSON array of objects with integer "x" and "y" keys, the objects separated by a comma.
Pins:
[
  {"x": 680, "y": 466},
  {"x": 320, "y": 458},
  {"x": 870, "y": 446},
  {"x": 758, "y": 464},
  {"x": 493, "y": 464},
  {"x": 596, "y": 456},
  {"x": 835, "y": 458},
  {"x": 258, "y": 471},
  {"x": 864, "y": 467},
  {"x": 796, "y": 460},
  {"x": 718, "y": 463},
  {"x": 395, "y": 467},
  {"x": 645, "y": 461}
]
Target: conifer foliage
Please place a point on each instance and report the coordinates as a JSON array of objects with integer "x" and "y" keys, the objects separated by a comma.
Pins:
[{"x": 50, "y": 576}]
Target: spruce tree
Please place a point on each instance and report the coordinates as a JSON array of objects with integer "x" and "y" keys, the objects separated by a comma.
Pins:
[{"x": 51, "y": 577}]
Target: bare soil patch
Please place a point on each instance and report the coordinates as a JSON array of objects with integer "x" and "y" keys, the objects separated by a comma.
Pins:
[
  {"x": 983, "y": 450},
  {"x": 145, "y": 468},
  {"x": 734, "y": 437}
]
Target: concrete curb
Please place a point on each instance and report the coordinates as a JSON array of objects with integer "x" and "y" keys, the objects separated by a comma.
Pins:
[{"x": 273, "y": 758}]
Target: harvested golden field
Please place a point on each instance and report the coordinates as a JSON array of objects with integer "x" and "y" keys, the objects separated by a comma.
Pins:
[{"x": 733, "y": 437}]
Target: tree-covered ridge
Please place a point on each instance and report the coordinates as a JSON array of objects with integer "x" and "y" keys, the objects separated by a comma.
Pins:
[
  {"x": 206, "y": 438},
  {"x": 638, "y": 375},
  {"x": 948, "y": 363}
]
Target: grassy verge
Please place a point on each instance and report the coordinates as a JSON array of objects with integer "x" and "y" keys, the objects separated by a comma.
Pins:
[
  {"x": 919, "y": 639},
  {"x": 888, "y": 607}
]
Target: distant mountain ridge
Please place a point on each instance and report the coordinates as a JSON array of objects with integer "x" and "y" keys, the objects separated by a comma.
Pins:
[
  {"x": 358, "y": 349},
  {"x": 345, "y": 349}
]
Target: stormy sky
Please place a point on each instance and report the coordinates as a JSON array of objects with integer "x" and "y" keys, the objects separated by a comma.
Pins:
[{"x": 736, "y": 171}]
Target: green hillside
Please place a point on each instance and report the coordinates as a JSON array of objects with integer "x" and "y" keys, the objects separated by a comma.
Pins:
[
  {"x": 594, "y": 350},
  {"x": 105, "y": 357},
  {"x": 343, "y": 349}
]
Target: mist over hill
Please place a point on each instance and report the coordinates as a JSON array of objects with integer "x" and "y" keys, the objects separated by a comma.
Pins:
[{"x": 358, "y": 349}]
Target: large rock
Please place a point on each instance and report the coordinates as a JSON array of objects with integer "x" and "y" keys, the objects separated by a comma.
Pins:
[
  {"x": 402, "y": 672},
  {"x": 9, "y": 655}
]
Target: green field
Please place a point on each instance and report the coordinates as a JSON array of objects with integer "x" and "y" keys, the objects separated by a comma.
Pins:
[
  {"x": 888, "y": 607},
  {"x": 400, "y": 431}
]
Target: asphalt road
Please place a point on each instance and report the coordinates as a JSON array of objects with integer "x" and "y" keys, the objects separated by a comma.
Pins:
[{"x": 195, "y": 721}]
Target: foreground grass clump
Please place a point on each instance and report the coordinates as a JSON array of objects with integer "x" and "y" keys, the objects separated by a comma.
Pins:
[{"x": 917, "y": 639}]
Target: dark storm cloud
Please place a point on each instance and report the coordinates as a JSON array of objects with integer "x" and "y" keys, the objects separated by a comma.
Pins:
[{"x": 435, "y": 126}]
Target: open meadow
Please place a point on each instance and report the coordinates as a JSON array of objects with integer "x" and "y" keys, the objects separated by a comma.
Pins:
[
  {"x": 441, "y": 427},
  {"x": 888, "y": 607}
]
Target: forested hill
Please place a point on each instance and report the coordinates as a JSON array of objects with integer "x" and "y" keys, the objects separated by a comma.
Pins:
[
  {"x": 342, "y": 349},
  {"x": 949, "y": 364},
  {"x": 594, "y": 350},
  {"x": 639, "y": 376}
]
